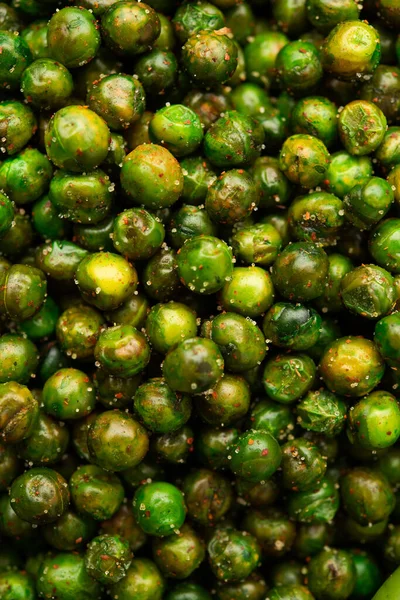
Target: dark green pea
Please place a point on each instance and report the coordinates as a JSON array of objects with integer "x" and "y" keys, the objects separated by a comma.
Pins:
[
  {"x": 316, "y": 217},
  {"x": 123, "y": 525},
  {"x": 259, "y": 244},
  {"x": 273, "y": 186},
  {"x": 15, "y": 57},
  {"x": 292, "y": 326},
  {"x": 130, "y": 28},
  {"x": 311, "y": 539},
  {"x": 144, "y": 472},
  {"x": 322, "y": 412},
  {"x": 157, "y": 70},
  {"x": 95, "y": 238},
  {"x": 316, "y": 116},
  {"x": 96, "y": 493},
  {"x": 255, "y": 456},
  {"x": 46, "y": 84},
  {"x": 324, "y": 15},
  {"x": 159, "y": 508},
  {"x": 383, "y": 245},
  {"x": 287, "y": 377},
  {"x": 69, "y": 394},
  {"x": 9, "y": 18},
  {"x": 159, "y": 408},
  {"x": 389, "y": 464},
  {"x": 192, "y": 18},
  {"x": 226, "y": 403},
  {"x": 368, "y": 291},
  {"x": 303, "y": 465},
  {"x": 208, "y": 105},
  {"x": 272, "y": 529},
  {"x": 17, "y": 125},
  {"x": 26, "y": 176},
  {"x": 260, "y": 55},
  {"x": 368, "y": 574},
  {"x": 304, "y": 160},
  {"x": 197, "y": 178},
  {"x": 51, "y": 360},
  {"x": 386, "y": 338},
  {"x": 77, "y": 139},
  {"x": 210, "y": 57},
  {"x": 351, "y": 366},
  {"x": 46, "y": 444},
  {"x": 160, "y": 276},
  {"x": 9, "y": 466},
  {"x": 234, "y": 140},
  {"x": 122, "y": 351},
  {"x": 288, "y": 572},
  {"x": 388, "y": 153},
  {"x": 383, "y": 90},
  {"x": 59, "y": 259},
  {"x": 137, "y": 234},
  {"x": 212, "y": 446},
  {"x": 80, "y": 433},
  {"x": 18, "y": 358},
  {"x": 298, "y": 67},
  {"x": 141, "y": 173},
  {"x": 19, "y": 237},
  {"x": 108, "y": 558},
  {"x": 39, "y": 495},
  {"x": 232, "y": 197},
  {"x": 17, "y": 585},
  {"x": 272, "y": 417},
  {"x": 345, "y": 171},
  {"x": 253, "y": 587},
  {"x": 366, "y": 495},
  {"x": 166, "y": 40},
  {"x": 46, "y": 220},
  {"x": 73, "y": 38},
  {"x": 65, "y": 577},
  {"x": 177, "y": 128},
  {"x": 290, "y": 592},
  {"x": 374, "y": 422},
  {"x": 11, "y": 525},
  {"x": 118, "y": 99},
  {"x": 362, "y": 126},
  {"x": 250, "y": 99},
  {"x": 35, "y": 35},
  {"x": 82, "y": 198},
  {"x": 177, "y": 556},
  {"x": 174, "y": 447},
  {"x": 19, "y": 411},
  {"x": 132, "y": 312},
  {"x": 233, "y": 554},
  {"x": 240, "y": 341},
  {"x": 106, "y": 280},
  {"x": 241, "y": 21},
  {"x": 23, "y": 292},
  {"x": 259, "y": 494},
  {"x": 116, "y": 155},
  {"x": 316, "y": 505},
  {"x": 115, "y": 392},
  {"x": 77, "y": 331},
  {"x": 394, "y": 180},
  {"x": 97, "y": 7},
  {"x": 250, "y": 292},
  {"x": 70, "y": 531},
  {"x": 142, "y": 581},
  {"x": 188, "y": 222},
  {"x": 352, "y": 48},
  {"x": 392, "y": 545},
  {"x": 331, "y": 301},
  {"x": 188, "y": 591},
  {"x": 208, "y": 496},
  {"x": 332, "y": 574}
]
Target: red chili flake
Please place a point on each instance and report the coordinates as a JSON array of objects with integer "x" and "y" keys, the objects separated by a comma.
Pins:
[
  {"x": 265, "y": 452},
  {"x": 250, "y": 442}
]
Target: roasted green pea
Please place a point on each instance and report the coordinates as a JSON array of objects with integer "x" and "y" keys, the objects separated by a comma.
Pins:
[
  {"x": 233, "y": 554},
  {"x": 17, "y": 585},
  {"x": 23, "y": 292},
  {"x": 322, "y": 412},
  {"x": 227, "y": 402},
  {"x": 210, "y": 57},
  {"x": 298, "y": 67},
  {"x": 174, "y": 447},
  {"x": 122, "y": 351},
  {"x": 158, "y": 69},
  {"x": 260, "y": 494},
  {"x": 123, "y": 524},
  {"x": 292, "y": 326},
  {"x": 46, "y": 83},
  {"x": 159, "y": 508},
  {"x": 272, "y": 529},
  {"x": 324, "y": 15},
  {"x": 331, "y": 301},
  {"x": 316, "y": 217},
  {"x": 351, "y": 366},
  {"x": 159, "y": 408},
  {"x": 19, "y": 411},
  {"x": 177, "y": 128},
  {"x": 255, "y": 456},
  {"x": 388, "y": 153},
  {"x": 383, "y": 90},
  {"x": 47, "y": 443},
  {"x": 207, "y": 105},
  {"x": 46, "y": 220},
  {"x": 351, "y": 48},
  {"x": 35, "y": 35},
  {"x": 70, "y": 531},
  {"x": 52, "y": 359},
  {"x": 317, "y": 116},
  {"x": 383, "y": 245},
  {"x": 386, "y": 338},
  {"x": 137, "y": 234},
  {"x": 208, "y": 496},
  {"x": 179, "y": 555},
  {"x": 11, "y": 525},
  {"x": 316, "y": 505},
  {"x": 368, "y": 291},
  {"x": 304, "y": 160},
  {"x": 96, "y": 493},
  {"x": 18, "y": 358},
  {"x": 362, "y": 126},
  {"x": 311, "y": 539},
  {"x": 192, "y": 18},
  {"x": 26, "y": 176},
  {"x": 259, "y": 244},
  {"x": 234, "y": 140},
  {"x": 132, "y": 312},
  {"x": 169, "y": 324},
  {"x": 211, "y": 446},
  {"x": 394, "y": 180},
  {"x": 250, "y": 292},
  {"x": 78, "y": 329},
  {"x": 17, "y": 125},
  {"x": 260, "y": 55},
  {"x": 273, "y": 417},
  {"x": 273, "y": 186},
  {"x": 189, "y": 222},
  {"x": 143, "y": 581},
  {"x": 232, "y": 197},
  {"x": 160, "y": 276},
  {"x": 69, "y": 394},
  {"x": 367, "y": 495},
  {"x": 197, "y": 177},
  {"x": 73, "y": 38},
  {"x": 302, "y": 465},
  {"x": 188, "y": 591},
  {"x": 106, "y": 280},
  {"x": 108, "y": 558},
  {"x": 287, "y": 377},
  {"x": 19, "y": 237},
  {"x": 9, "y": 466},
  {"x": 130, "y": 28},
  {"x": 288, "y": 572},
  {"x": 332, "y": 574},
  {"x": 290, "y": 592},
  {"x": 16, "y": 56},
  {"x": 65, "y": 576},
  {"x": 368, "y": 574},
  {"x": 374, "y": 421}
]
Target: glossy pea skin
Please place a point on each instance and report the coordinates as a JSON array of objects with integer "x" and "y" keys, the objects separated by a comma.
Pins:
[
  {"x": 159, "y": 508},
  {"x": 16, "y": 585},
  {"x": 322, "y": 412},
  {"x": 302, "y": 465},
  {"x": 59, "y": 259},
  {"x": 351, "y": 47},
  {"x": 298, "y": 67},
  {"x": 118, "y": 99},
  {"x": 290, "y": 592},
  {"x": 240, "y": 341},
  {"x": 123, "y": 524},
  {"x": 46, "y": 83},
  {"x": 15, "y": 58},
  {"x": 388, "y": 153},
  {"x": 95, "y": 238},
  {"x": 273, "y": 186},
  {"x": 73, "y": 39},
  {"x": 188, "y": 222},
  {"x": 316, "y": 217},
  {"x": 250, "y": 99},
  {"x": 304, "y": 160},
  {"x": 383, "y": 90},
  {"x": 368, "y": 574},
  {"x": 259, "y": 244},
  {"x": 362, "y": 126},
  {"x": 383, "y": 244},
  {"x": 69, "y": 394},
  {"x": 106, "y": 280},
  {"x": 70, "y": 531},
  {"x": 211, "y": 446},
  {"x": 26, "y": 176},
  {"x": 250, "y": 292},
  {"x": 368, "y": 291},
  {"x": 9, "y": 466},
  {"x": 386, "y": 337},
  {"x": 332, "y": 574},
  {"x": 39, "y": 495},
  {"x": 311, "y": 539},
  {"x": 18, "y": 237},
  {"x": 168, "y": 324},
  {"x": 231, "y": 197},
  {"x": 76, "y": 138},
  {"x": 96, "y": 493},
  {"x": 366, "y": 495},
  {"x": 47, "y": 443},
  {"x": 66, "y": 576},
  {"x": 192, "y": 18},
  {"x": 157, "y": 70},
  {"x": 177, "y": 556},
  {"x": 233, "y": 554},
  {"x": 115, "y": 392},
  {"x": 17, "y": 125},
  {"x": 160, "y": 276},
  {"x": 142, "y": 171},
  {"x": 207, "y": 105},
  {"x": 208, "y": 496},
  {"x": 292, "y": 326},
  {"x": 19, "y": 411},
  {"x": 273, "y": 417},
  {"x": 255, "y": 456},
  {"x": 345, "y": 171},
  {"x": 137, "y": 234},
  {"x": 260, "y": 55},
  {"x": 130, "y": 28},
  {"x": 46, "y": 220},
  {"x": 324, "y": 15},
  {"x": 287, "y": 377},
  {"x": 351, "y": 366},
  {"x": 174, "y": 448},
  {"x": 78, "y": 329},
  {"x": 18, "y": 358},
  {"x": 11, "y": 525},
  {"x": 159, "y": 408},
  {"x": 234, "y": 140},
  {"x": 367, "y": 203},
  {"x": 374, "y": 421},
  {"x": 316, "y": 505},
  {"x": 177, "y": 128},
  {"x": 197, "y": 177},
  {"x": 269, "y": 527},
  {"x": 210, "y": 57},
  {"x": 107, "y": 558},
  {"x": 394, "y": 178},
  {"x": 317, "y": 116},
  {"x": 143, "y": 581},
  {"x": 122, "y": 351},
  {"x": 339, "y": 266},
  {"x": 226, "y": 403},
  {"x": 35, "y": 35},
  {"x": 188, "y": 591}
]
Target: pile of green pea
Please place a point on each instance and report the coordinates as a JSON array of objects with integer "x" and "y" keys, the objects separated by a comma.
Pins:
[{"x": 199, "y": 300}]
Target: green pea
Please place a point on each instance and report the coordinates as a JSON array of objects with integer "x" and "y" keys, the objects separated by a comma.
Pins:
[
  {"x": 19, "y": 411},
  {"x": 304, "y": 160},
  {"x": 159, "y": 508},
  {"x": 159, "y": 408},
  {"x": 331, "y": 301},
  {"x": 174, "y": 447},
  {"x": 332, "y": 574},
  {"x": 273, "y": 417},
  {"x": 368, "y": 291},
  {"x": 192, "y": 18},
  {"x": 322, "y": 412},
  {"x": 47, "y": 443},
  {"x": 367, "y": 496},
  {"x": 272, "y": 529},
  {"x": 351, "y": 48},
  {"x": 137, "y": 234},
  {"x": 65, "y": 576},
  {"x": 273, "y": 186},
  {"x": 179, "y": 555},
  {"x": 16, "y": 56},
  {"x": 210, "y": 57},
  {"x": 73, "y": 38},
  {"x": 250, "y": 292},
  {"x": 255, "y": 456},
  {"x": 123, "y": 525},
  {"x": 160, "y": 276},
  {"x": 26, "y": 176},
  {"x": 302, "y": 465},
  {"x": 260, "y": 55},
  {"x": 108, "y": 558},
  {"x": 68, "y": 394},
  {"x": 17, "y": 125},
  {"x": 197, "y": 177},
  {"x": 386, "y": 338},
  {"x": 316, "y": 217},
  {"x": 383, "y": 245},
  {"x": 46, "y": 83},
  {"x": 232, "y": 197},
  {"x": 260, "y": 494},
  {"x": 9, "y": 466},
  {"x": 311, "y": 539},
  {"x": 129, "y": 28},
  {"x": 324, "y": 15},
  {"x": 383, "y": 90},
  {"x": 122, "y": 351},
  {"x": 78, "y": 329},
  {"x": 208, "y": 496},
  {"x": 374, "y": 421},
  {"x": 298, "y": 66},
  {"x": 351, "y": 366},
  {"x": 142, "y": 581},
  {"x": 288, "y": 377},
  {"x": 70, "y": 531},
  {"x": 188, "y": 591},
  {"x": 233, "y": 554},
  {"x": 177, "y": 128},
  {"x": 290, "y": 592},
  {"x": 18, "y": 358},
  {"x": 388, "y": 153},
  {"x": 211, "y": 446},
  {"x": 16, "y": 585},
  {"x": 288, "y": 572},
  {"x": 188, "y": 222},
  {"x": 228, "y": 401},
  {"x": 345, "y": 171},
  {"x": 132, "y": 312},
  {"x": 35, "y": 35},
  {"x": 11, "y": 525},
  {"x": 368, "y": 574},
  {"x": 292, "y": 326},
  {"x": 259, "y": 244},
  {"x": 316, "y": 505},
  {"x": 362, "y": 126},
  {"x": 96, "y": 493},
  {"x": 46, "y": 220},
  {"x": 317, "y": 116},
  {"x": 207, "y": 105}
]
